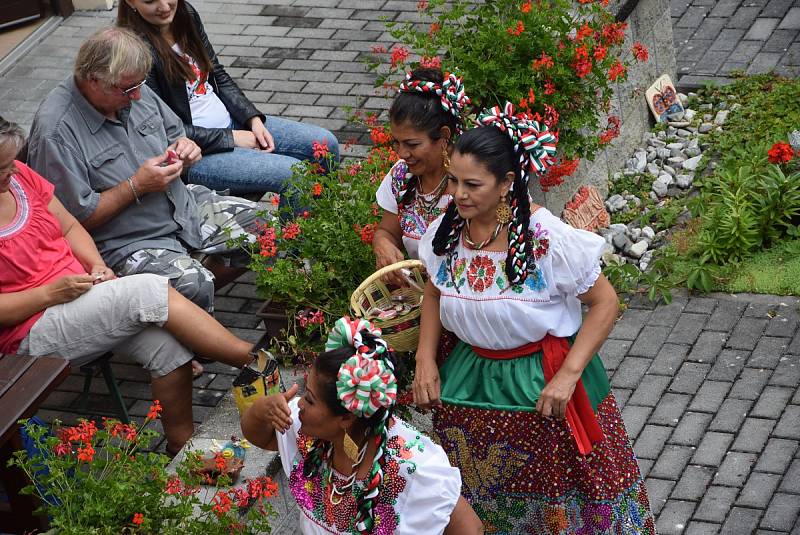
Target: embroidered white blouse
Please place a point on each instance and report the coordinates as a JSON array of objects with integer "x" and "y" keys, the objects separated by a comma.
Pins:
[
  {"x": 413, "y": 222},
  {"x": 420, "y": 488},
  {"x": 478, "y": 305}
]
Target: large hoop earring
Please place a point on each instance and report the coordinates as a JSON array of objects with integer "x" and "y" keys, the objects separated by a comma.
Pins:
[
  {"x": 503, "y": 211},
  {"x": 445, "y": 159}
]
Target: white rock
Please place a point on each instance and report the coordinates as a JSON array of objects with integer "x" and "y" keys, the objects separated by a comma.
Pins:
[
  {"x": 683, "y": 98},
  {"x": 693, "y": 143},
  {"x": 652, "y": 169},
  {"x": 653, "y": 195},
  {"x": 665, "y": 179},
  {"x": 691, "y": 152},
  {"x": 705, "y": 128},
  {"x": 654, "y": 142},
  {"x": 676, "y": 146},
  {"x": 689, "y": 115},
  {"x": 638, "y": 249},
  {"x": 735, "y": 106},
  {"x": 641, "y": 160},
  {"x": 634, "y": 233},
  {"x": 618, "y": 228},
  {"x": 684, "y": 133},
  {"x": 684, "y": 181},
  {"x": 669, "y": 170},
  {"x": 692, "y": 163},
  {"x": 648, "y": 233},
  {"x": 794, "y": 139},
  {"x": 722, "y": 116},
  {"x": 675, "y": 161},
  {"x": 616, "y": 203},
  {"x": 664, "y": 153},
  {"x": 659, "y": 190}
]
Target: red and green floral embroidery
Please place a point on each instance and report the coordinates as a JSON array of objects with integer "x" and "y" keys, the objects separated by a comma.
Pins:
[{"x": 480, "y": 274}]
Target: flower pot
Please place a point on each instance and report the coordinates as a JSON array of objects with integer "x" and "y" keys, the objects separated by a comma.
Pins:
[{"x": 274, "y": 316}]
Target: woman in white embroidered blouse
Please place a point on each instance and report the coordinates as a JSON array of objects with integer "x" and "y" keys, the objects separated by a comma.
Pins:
[
  {"x": 425, "y": 116},
  {"x": 523, "y": 405},
  {"x": 353, "y": 467}
]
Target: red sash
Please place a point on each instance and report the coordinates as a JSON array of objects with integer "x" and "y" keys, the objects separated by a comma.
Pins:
[{"x": 580, "y": 415}]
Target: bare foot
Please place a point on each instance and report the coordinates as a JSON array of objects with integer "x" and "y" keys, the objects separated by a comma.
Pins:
[{"x": 197, "y": 369}]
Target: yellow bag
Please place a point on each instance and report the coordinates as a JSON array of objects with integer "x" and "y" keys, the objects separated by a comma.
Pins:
[{"x": 259, "y": 379}]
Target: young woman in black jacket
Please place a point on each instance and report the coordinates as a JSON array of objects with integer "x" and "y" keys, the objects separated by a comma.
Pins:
[{"x": 244, "y": 151}]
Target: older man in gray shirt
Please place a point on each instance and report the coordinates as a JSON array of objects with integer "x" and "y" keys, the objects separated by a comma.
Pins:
[{"x": 115, "y": 153}]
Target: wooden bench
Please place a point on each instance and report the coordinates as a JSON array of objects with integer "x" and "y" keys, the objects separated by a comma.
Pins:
[{"x": 25, "y": 382}]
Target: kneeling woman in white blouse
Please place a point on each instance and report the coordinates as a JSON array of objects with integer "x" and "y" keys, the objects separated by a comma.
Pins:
[{"x": 353, "y": 467}]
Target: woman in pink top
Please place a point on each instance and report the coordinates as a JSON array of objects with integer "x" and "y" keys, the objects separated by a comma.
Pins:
[{"x": 57, "y": 297}]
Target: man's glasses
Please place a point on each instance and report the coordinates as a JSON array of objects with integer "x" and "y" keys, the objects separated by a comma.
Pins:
[{"x": 127, "y": 92}]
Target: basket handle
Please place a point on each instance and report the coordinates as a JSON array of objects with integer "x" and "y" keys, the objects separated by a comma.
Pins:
[{"x": 375, "y": 278}]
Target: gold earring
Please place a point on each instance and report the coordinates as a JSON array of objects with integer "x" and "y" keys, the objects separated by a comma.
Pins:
[
  {"x": 445, "y": 159},
  {"x": 350, "y": 448},
  {"x": 503, "y": 211}
]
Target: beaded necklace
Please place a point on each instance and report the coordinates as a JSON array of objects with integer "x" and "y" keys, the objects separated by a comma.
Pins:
[
  {"x": 484, "y": 243},
  {"x": 427, "y": 206},
  {"x": 338, "y": 493}
]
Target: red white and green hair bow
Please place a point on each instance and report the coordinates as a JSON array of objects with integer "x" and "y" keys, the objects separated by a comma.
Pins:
[
  {"x": 451, "y": 93},
  {"x": 534, "y": 143},
  {"x": 364, "y": 383}
]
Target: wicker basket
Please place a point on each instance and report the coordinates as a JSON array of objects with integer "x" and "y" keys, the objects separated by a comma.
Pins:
[{"x": 402, "y": 331}]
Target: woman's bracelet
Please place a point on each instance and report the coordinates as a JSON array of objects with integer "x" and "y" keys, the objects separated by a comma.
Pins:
[{"x": 133, "y": 190}]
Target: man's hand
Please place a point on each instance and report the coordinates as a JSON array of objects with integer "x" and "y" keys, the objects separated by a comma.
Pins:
[
  {"x": 245, "y": 139},
  {"x": 187, "y": 150},
  {"x": 152, "y": 175}
]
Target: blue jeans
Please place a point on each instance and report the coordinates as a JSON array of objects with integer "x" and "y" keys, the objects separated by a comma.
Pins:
[{"x": 252, "y": 171}]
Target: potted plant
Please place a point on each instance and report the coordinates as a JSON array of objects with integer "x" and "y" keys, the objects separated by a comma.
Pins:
[{"x": 100, "y": 480}]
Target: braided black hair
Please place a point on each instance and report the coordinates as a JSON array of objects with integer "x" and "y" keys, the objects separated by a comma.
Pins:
[
  {"x": 375, "y": 427},
  {"x": 495, "y": 150}
]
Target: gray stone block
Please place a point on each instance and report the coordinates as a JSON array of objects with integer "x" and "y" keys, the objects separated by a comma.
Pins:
[
  {"x": 711, "y": 62},
  {"x": 735, "y": 468},
  {"x": 690, "y": 377},
  {"x": 650, "y": 390},
  {"x": 667, "y": 315},
  {"x": 710, "y": 28},
  {"x": 750, "y": 383},
  {"x": 771, "y": 402},
  {"x": 777, "y": 456},
  {"x": 761, "y": 29},
  {"x": 782, "y": 513},
  {"x": 691, "y": 429},
  {"x": 747, "y": 333},
  {"x": 758, "y": 490},
  {"x": 776, "y": 8},
  {"x": 779, "y": 41},
  {"x": 753, "y": 435},
  {"x": 791, "y": 480},
  {"x": 692, "y": 17},
  {"x": 693, "y": 483},
  {"x": 725, "y": 317},
  {"x": 716, "y": 503},
  {"x": 789, "y": 424},
  {"x": 727, "y": 40},
  {"x": 613, "y": 351},
  {"x": 700, "y": 305},
  {"x": 712, "y": 449},
  {"x": 635, "y": 418},
  {"x": 728, "y": 365},
  {"x": 658, "y": 490},
  {"x": 791, "y": 21},
  {"x": 708, "y": 346},
  {"x": 651, "y": 440},
  {"x": 630, "y": 324},
  {"x": 671, "y": 462},
  {"x": 710, "y": 396},
  {"x": 725, "y": 8},
  {"x": 669, "y": 409},
  {"x": 787, "y": 373},
  {"x": 687, "y": 328},
  {"x": 649, "y": 341},
  {"x": 630, "y": 372},
  {"x": 674, "y": 517},
  {"x": 764, "y": 62},
  {"x": 669, "y": 359},
  {"x": 731, "y": 415},
  {"x": 745, "y": 51},
  {"x": 741, "y": 520},
  {"x": 744, "y": 17},
  {"x": 768, "y": 352},
  {"x": 696, "y": 527}
]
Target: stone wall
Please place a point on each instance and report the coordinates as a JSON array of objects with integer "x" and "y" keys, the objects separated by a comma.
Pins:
[{"x": 650, "y": 24}]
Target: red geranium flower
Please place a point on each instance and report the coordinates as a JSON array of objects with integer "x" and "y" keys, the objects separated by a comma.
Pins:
[
  {"x": 399, "y": 56},
  {"x": 525, "y": 7},
  {"x": 516, "y": 30},
  {"x": 155, "y": 410},
  {"x": 316, "y": 189},
  {"x": 549, "y": 87},
  {"x": 320, "y": 149},
  {"x": 434, "y": 29},
  {"x": 780, "y": 153},
  {"x": 599, "y": 53},
  {"x": 138, "y": 518},
  {"x": 431, "y": 63},
  {"x": 291, "y": 231},
  {"x": 543, "y": 62},
  {"x": 640, "y": 51},
  {"x": 617, "y": 70},
  {"x": 614, "y": 33}
]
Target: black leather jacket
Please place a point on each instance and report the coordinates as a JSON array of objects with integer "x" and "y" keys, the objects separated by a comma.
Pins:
[{"x": 210, "y": 140}]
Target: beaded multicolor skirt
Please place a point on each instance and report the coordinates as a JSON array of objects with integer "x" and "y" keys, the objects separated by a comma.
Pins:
[{"x": 522, "y": 472}]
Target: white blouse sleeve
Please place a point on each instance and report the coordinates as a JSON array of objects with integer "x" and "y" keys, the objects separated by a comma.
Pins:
[
  {"x": 287, "y": 442},
  {"x": 387, "y": 192},
  {"x": 576, "y": 259},
  {"x": 433, "y": 493}
]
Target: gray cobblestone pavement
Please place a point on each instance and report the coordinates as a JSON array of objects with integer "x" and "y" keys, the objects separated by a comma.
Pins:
[
  {"x": 708, "y": 385},
  {"x": 714, "y": 37}
]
